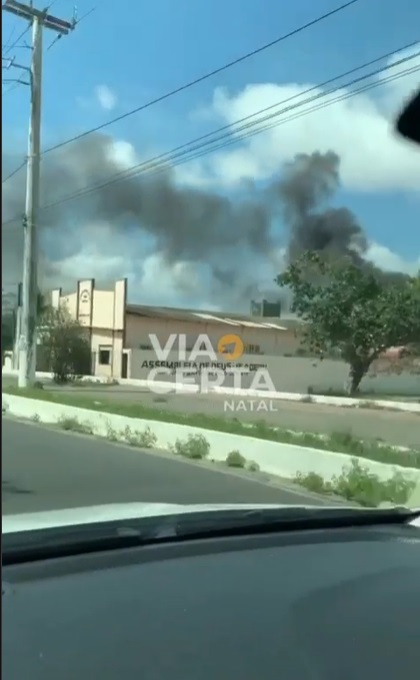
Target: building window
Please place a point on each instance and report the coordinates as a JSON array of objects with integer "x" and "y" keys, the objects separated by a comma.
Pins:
[
  {"x": 104, "y": 356},
  {"x": 252, "y": 349}
]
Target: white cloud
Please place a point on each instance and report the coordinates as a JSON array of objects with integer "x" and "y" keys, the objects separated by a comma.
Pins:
[
  {"x": 123, "y": 154},
  {"x": 386, "y": 259},
  {"x": 102, "y": 95},
  {"x": 105, "y": 97},
  {"x": 359, "y": 129},
  {"x": 153, "y": 281},
  {"x": 172, "y": 285}
]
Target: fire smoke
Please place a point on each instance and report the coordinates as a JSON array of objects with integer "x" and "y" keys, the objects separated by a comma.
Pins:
[{"x": 226, "y": 237}]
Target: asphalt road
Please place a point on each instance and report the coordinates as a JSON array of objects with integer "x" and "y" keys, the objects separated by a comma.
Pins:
[
  {"x": 395, "y": 428},
  {"x": 44, "y": 469}
]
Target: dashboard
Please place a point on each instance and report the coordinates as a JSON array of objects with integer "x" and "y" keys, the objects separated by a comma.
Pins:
[{"x": 296, "y": 605}]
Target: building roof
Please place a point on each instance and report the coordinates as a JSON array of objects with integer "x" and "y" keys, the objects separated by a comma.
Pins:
[{"x": 224, "y": 318}]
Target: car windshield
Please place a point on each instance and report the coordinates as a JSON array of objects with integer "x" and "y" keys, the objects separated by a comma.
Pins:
[{"x": 210, "y": 258}]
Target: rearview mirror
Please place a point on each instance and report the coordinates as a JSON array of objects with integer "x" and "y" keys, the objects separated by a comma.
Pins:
[{"x": 408, "y": 123}]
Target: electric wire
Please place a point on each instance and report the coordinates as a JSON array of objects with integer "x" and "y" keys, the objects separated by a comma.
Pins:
[
  {"x": 14, "y": 172},
  {"x": 202, "y": 78},
  {"x": 191, "y": 83},
  {"x": 9, "y": 48},
  {"x": 232, "y": 129},
  {"x": 182, "y": 153},
  {"x": 153, "y": 166}
]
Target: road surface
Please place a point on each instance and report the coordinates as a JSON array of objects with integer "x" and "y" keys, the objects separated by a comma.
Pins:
[
  {"x": 46, "y": 469},
  {"x": 395, "y": 428}
]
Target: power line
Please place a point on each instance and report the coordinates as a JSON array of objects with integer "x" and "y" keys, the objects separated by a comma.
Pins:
[
  {"x": 5, "y": 50},
  {"x": 15, "y": 171},
  {"x": 230, "y": 131},
  {"x": 11, "y": 87},
  {"x": 179, "y": 160},
  {"x": 187, "y": 85},
  {"x": 203, "y": 77},
  {"x": 387, "y": 55},
  {"x": 318, "y": 107},
  {"x": 199, "y": 152},
  {"x": 152, "y": 166},
  {"x": 230, "y": 136},
  {"x": 11, "y": 34},
  {"x": 9, "y": 48},
  {"x": 17, "y": 83}
]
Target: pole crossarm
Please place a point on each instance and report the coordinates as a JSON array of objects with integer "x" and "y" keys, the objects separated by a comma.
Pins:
[{"x": 47, "y": 20}]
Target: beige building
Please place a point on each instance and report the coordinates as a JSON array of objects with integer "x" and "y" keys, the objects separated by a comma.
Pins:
[
  {"x": 102, "y": 312},
  {"x": 120, "y": 332}
]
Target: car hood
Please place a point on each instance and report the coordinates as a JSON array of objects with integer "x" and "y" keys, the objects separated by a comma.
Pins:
[
  {"x": 48, "y": 519},
  {"x": 119, "y": 511}
]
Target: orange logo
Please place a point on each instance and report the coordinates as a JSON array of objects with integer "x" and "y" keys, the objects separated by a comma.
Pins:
[{"x": 231, "y": 346}]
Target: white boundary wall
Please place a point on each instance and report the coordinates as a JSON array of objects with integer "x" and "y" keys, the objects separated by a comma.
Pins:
[{"x": 284, "y": 460}]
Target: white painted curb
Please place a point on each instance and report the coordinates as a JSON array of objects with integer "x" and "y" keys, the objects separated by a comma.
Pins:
[
  {"x": 284, "y": 460},
  {"x": 161, "y": 387}
]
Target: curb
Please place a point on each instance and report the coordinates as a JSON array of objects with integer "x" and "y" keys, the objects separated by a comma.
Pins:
[
  {"x": 161, "y": 387},
  {"x": 275, "y": 458}
]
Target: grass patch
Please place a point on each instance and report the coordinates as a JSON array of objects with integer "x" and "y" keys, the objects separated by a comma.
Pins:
[
  {"x": 357, "y": 484},
  {"x": 75, "y": 425},
  {"x": 144, "y": 440},
  {"x": 339, "y": 442},
  {"x": 235, "y": 459},
  {"x": 196, "y": 447}
]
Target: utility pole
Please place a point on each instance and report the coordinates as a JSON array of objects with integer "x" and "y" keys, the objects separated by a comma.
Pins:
[{"x": 28, "y": 340}]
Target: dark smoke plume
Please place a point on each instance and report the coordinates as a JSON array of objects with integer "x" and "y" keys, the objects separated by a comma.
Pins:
[
  {"x": 308, "y": 183},
  {"x": 185, "y": 224},
  {"x": 230, "y": 239}
]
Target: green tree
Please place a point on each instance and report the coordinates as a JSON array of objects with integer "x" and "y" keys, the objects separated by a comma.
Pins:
[
  {"x": 65, "y": 343},
  {"x": 410, "y": 358},
  {"x": 346, "y": 308}
]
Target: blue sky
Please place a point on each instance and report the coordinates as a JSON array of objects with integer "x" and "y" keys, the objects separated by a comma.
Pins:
[{"x": 142, "y": 49}]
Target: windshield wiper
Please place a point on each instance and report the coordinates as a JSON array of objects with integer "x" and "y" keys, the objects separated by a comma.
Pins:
[
  {"x": 269, "y": 520},
  {"x": 68, "y": 541},
  {"x": 30, "y": 546}
]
